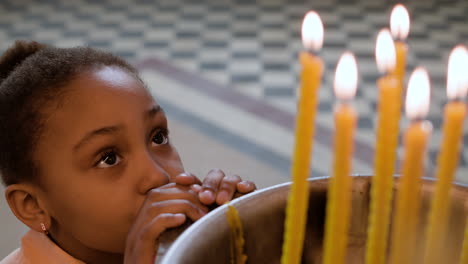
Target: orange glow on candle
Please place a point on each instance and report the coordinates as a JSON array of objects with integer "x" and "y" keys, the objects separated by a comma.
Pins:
[
  {"x": 447, "y": 161},
  {"x": 339, "y": 191},
  {"x": 457, "y": 78},
  {"x": 385, "y": 51},
  {"x": 312, "y": 31},
  {"x": 418, "y": 95},
  {"x": 385, "y": 155},
  {"x": 296, "y": 211},
  {"x": 346, "y": 77},
  {"x": 400, "y": 22},
  {"x": 408, "y": 197}
]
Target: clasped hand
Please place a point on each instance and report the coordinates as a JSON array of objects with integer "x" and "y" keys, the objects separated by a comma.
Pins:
[{"x": 169, "y": 206}]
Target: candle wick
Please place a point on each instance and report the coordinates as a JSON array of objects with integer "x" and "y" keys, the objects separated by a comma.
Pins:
[
  {"x": 400, "y": 39},
  {"x": 313, "y": 52},
  {"x": 424, "y": 123},
  {"x": 417, "y": 119},
  {"x": 386, "y": 73},
  {"x": 346, "y": 101},
  {"x": 458, "y": 99}
]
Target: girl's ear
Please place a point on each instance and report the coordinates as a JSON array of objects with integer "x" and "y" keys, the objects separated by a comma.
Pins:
[{"x": 25, "y": 203}]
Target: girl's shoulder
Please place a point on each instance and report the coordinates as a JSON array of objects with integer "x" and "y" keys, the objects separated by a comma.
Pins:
[
  {"x": 15, "y": 257},
  {"x": 37, "y": 248}
]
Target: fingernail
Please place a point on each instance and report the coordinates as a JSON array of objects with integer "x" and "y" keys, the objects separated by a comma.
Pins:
[
  {"x": 180, "y": 217},
  {"x": 223, "y": 197},
  {"x": 196, "y": 187},
  {"x": 184, "y": 174},
  {"x": 246, "y": 184},
  {"x": 207, "y": 195}
]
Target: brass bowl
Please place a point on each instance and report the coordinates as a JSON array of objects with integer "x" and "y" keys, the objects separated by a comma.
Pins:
[{"x": 263, "y": 212}]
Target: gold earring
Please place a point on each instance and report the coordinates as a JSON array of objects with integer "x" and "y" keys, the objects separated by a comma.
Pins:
[{"x": 44, "y": 229}]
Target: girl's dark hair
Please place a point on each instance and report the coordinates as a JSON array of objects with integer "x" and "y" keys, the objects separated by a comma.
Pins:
[{"x": 32, "y": 80}]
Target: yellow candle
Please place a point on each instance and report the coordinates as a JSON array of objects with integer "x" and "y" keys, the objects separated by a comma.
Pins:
[
  {"x": 401, "y": 50},
  {"x": 400, "y": 26},
  {"x": 454, "y": 115},
  {"x": 296, "y": 212},
  {"x": 408, "y": 198},
  {"x": 387, "y": 141},
  {"x": 237, "y": 236},
  {"x": 339, "y": 191}
]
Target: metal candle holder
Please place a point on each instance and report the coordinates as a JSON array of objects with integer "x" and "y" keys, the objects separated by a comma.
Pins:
[{"x": 263, "y": 213}]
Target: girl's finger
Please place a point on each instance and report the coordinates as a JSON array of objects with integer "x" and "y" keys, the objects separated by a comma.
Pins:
[
  {"x": 191, "y": 210},
  {"x": 186, "y": 178},
  {"x": 196, "y": 188},
  {"x": 210, "y": 186},
  {"x": 142, "y": 248},
  {"x": 227, "y": 189},
  {"x": 162, "y": 195},
  {"x": 246, "y": 187}
]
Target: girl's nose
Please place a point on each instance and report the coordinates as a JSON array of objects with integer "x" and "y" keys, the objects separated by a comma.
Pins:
[{"x": 151, "y": 172}]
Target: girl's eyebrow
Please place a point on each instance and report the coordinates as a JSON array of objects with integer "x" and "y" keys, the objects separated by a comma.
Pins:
[
  {"x": 155, "y": 109},
  {"x": 100, "y": 131}
]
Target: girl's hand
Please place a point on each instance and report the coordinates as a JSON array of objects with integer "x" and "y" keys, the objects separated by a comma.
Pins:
[
  {"x": 165, "y": 207},
  {"x": 216, "y": 187}
]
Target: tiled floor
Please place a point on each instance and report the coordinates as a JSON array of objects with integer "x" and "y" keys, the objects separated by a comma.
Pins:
[{"x": 226, "y": 71}]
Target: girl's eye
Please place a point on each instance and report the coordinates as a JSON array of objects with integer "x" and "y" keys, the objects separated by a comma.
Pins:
[
  {"x": 108, "y": 160},
  {"x": 160, "y": 138}
]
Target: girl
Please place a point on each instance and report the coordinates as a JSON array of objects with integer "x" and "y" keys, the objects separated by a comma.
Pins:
[{"x": 87, "y": 161}]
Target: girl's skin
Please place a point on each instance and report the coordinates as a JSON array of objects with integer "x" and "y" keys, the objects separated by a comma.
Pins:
[{"x": 110, "y": 181}]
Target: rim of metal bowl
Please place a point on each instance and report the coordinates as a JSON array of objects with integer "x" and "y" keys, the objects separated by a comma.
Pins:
[{"x": 171, "y": 253}]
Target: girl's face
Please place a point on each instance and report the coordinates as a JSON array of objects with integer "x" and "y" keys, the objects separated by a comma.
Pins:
[{"x": 101, "y": 151}]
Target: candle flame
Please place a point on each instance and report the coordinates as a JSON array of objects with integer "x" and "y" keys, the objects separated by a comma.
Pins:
[
  {"x": 400, "y": 22},
  {"x": 385, "y": 52},
  {"x": 346, "y": 77},
  {"x": 312, "y": 31},
  {"x": 418, "y": 94},
  {"x": 457, "y": 77}
]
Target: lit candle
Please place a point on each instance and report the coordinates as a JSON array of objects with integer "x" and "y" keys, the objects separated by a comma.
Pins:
[
  {"x": 400, "y": 26},
  {"x": 454, "y": 115},
  {"x": 237, "y": 236},
  {"x": 415, "y": 142},
  {"x": 312, "y": 68},
  {"x": 339, "y": 191},
  {"x": 387, "y": 141}
]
